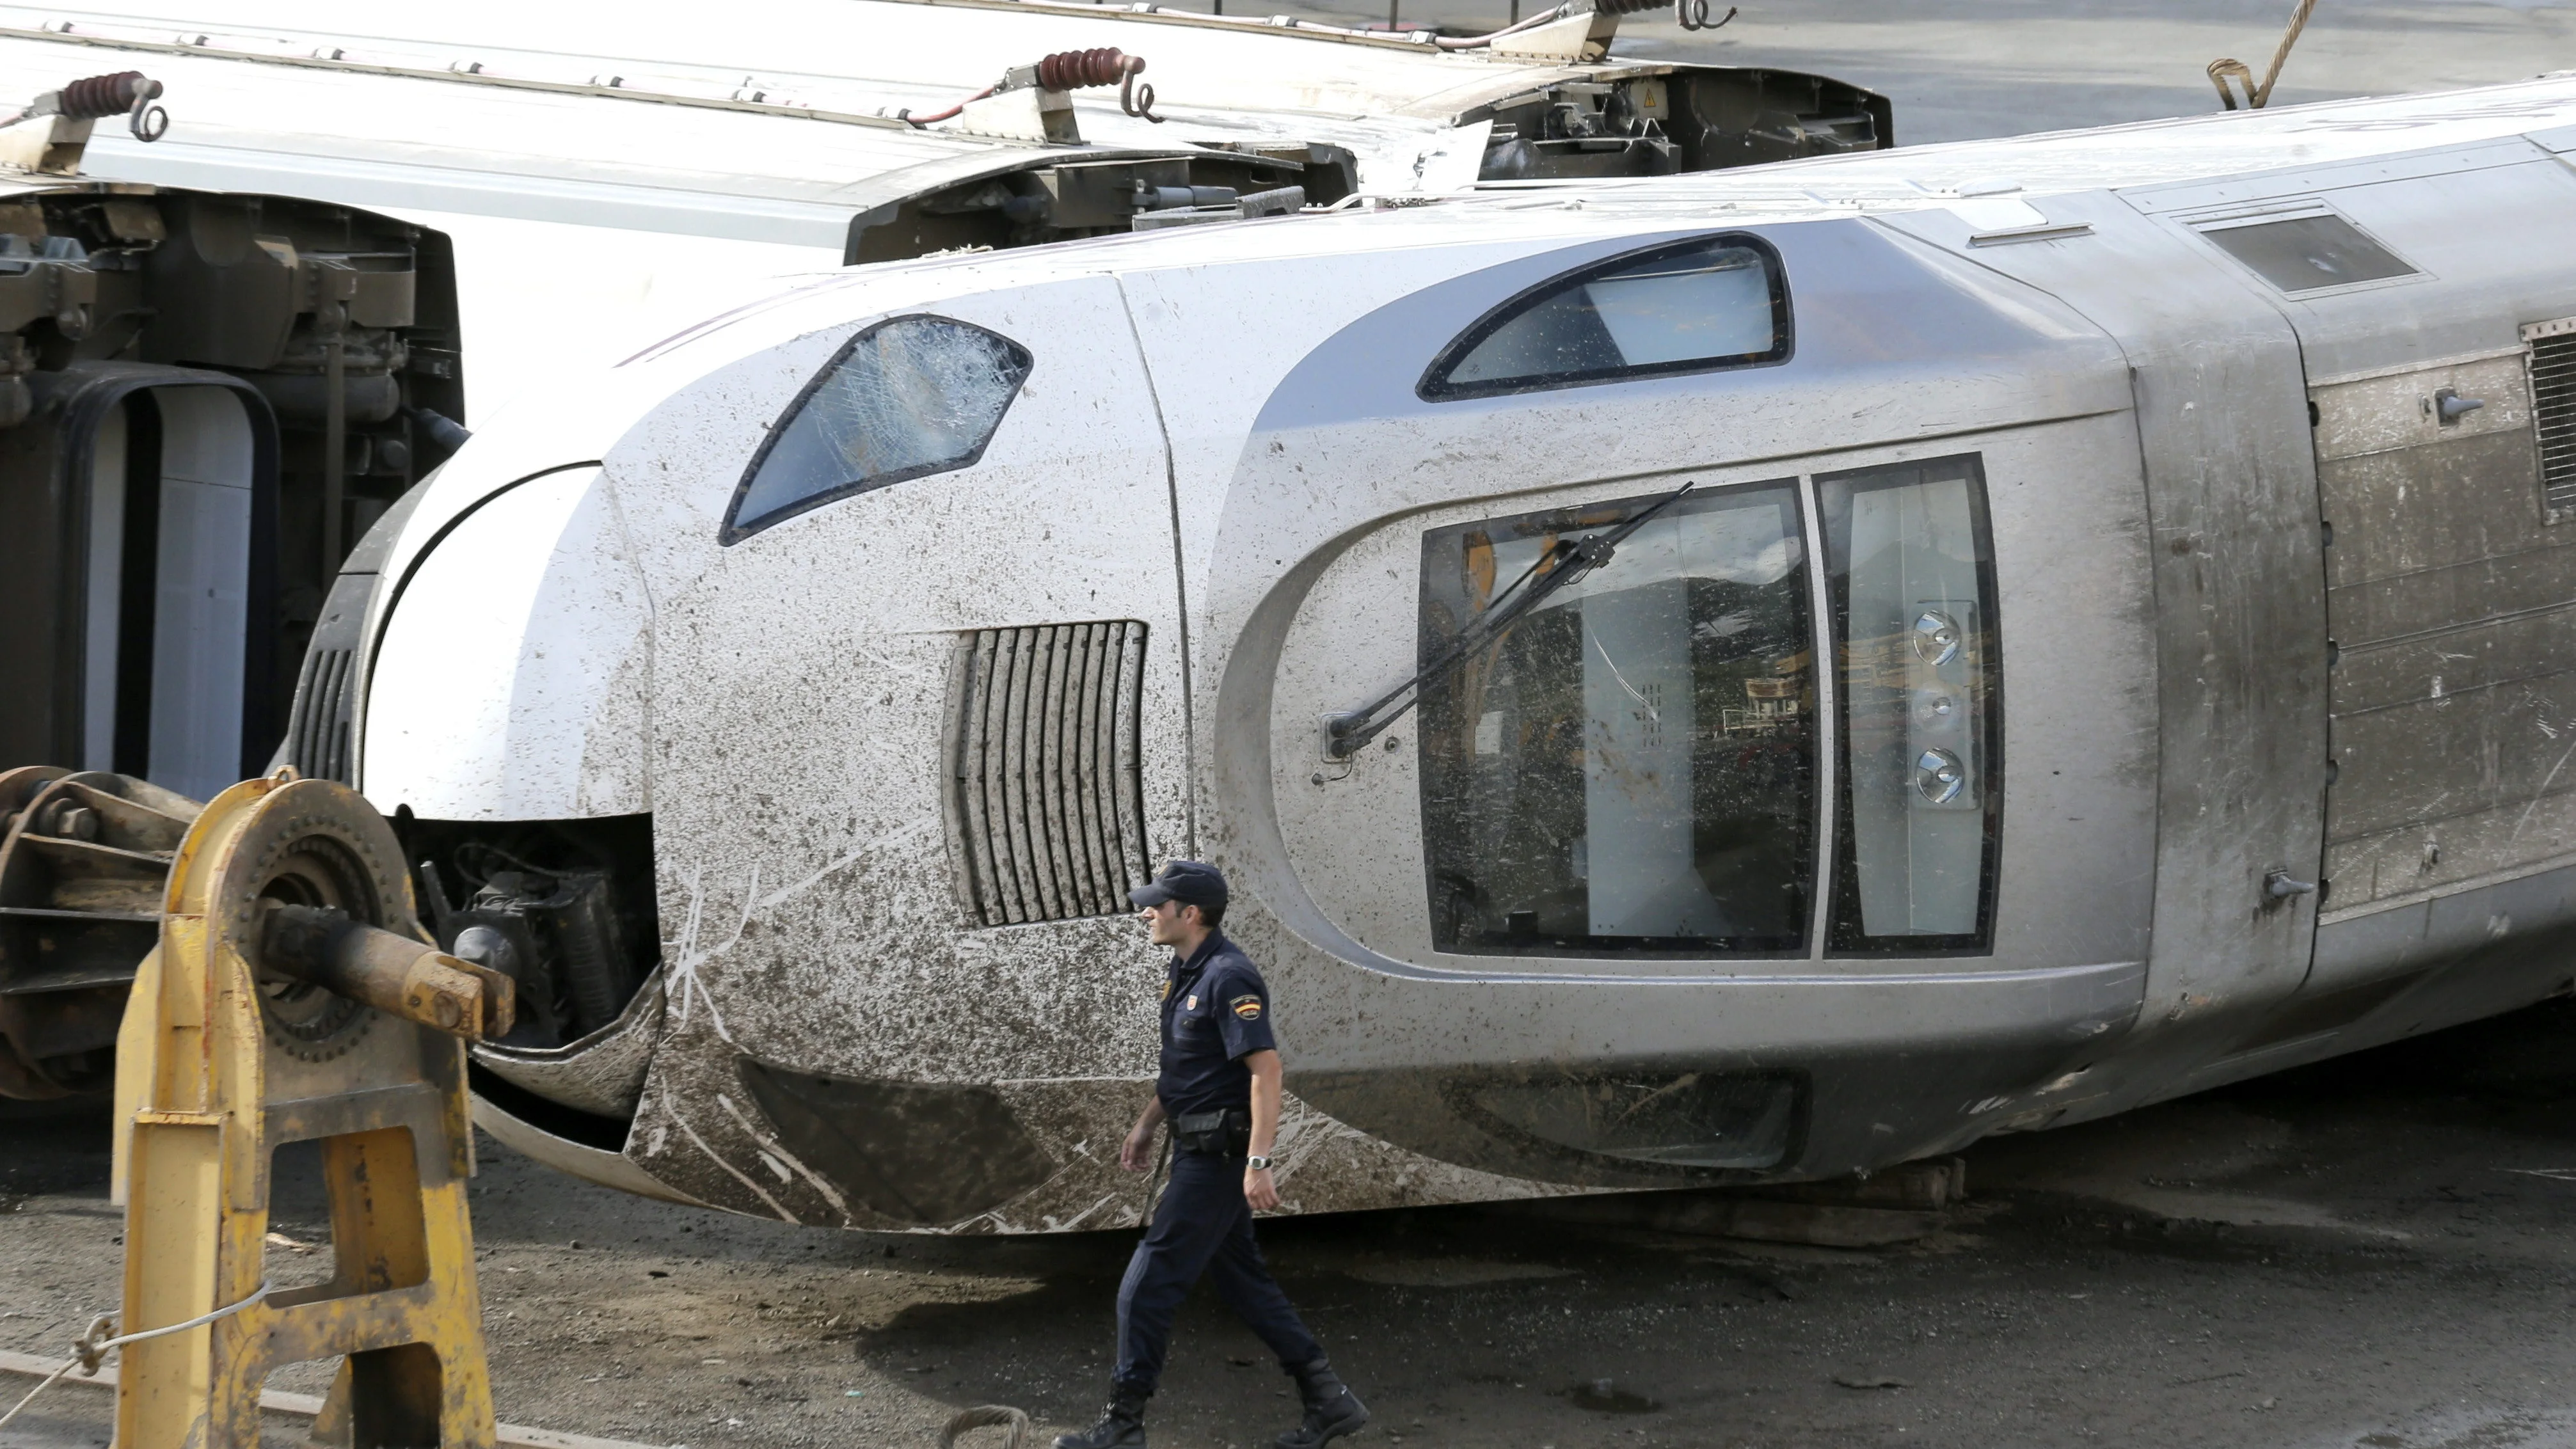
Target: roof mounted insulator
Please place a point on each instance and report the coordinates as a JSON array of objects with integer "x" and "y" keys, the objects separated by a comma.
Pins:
[
  {"x": 66, "y": 116},
  {"x": 1035, "y": 102},
  {"x": 1072, "y": 70}
]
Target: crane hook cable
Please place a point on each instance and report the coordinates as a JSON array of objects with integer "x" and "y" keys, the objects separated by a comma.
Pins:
[
  {"x": 2257, "y": 97},
  {"x": 89, "y": 1350}
]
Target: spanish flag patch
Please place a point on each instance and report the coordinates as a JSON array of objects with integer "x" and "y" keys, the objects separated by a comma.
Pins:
[{"x": 1247, "y": 1007}]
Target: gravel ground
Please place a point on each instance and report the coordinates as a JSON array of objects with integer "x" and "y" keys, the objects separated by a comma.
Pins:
[{"x": 2369, "y": 1253}]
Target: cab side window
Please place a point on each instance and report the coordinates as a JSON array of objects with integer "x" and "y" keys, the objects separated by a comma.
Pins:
[
  {"x": 903, "y": 399},
  {"x": 1706, "y": 304},
  {"x": 1909, "y": 573}
]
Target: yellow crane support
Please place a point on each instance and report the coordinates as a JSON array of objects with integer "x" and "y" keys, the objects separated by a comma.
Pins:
[{"x": 293, "y": 997}]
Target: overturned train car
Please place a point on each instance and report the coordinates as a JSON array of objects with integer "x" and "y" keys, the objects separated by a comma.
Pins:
[{"x": 1707, "y": 680}]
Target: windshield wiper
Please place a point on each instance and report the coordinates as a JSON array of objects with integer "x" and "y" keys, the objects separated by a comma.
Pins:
[{"x": 1564, "y": 561}]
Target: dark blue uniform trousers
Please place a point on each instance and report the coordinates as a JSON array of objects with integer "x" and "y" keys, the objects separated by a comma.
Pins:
[{"x": 1202, "y": 1226}]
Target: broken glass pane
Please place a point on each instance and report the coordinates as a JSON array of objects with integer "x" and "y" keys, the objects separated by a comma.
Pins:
[
  {"x": 1629, "y": 768},
  {"x": 2308, "y": 253},
  {"x": 910, "y": 397},
  {"x": 1709, "y": 304}
]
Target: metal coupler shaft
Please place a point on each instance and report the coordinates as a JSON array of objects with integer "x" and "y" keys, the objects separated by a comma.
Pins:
[{"x": 392, "y": 973}]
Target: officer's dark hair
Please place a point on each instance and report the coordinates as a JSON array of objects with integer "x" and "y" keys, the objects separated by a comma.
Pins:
[{"x": 1213, "y": 916}]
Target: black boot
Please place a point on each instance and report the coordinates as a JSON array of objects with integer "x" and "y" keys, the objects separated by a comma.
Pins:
[
  {"x": 1332, "y": 1410},
  {"x": 1121, "y": 1426}
]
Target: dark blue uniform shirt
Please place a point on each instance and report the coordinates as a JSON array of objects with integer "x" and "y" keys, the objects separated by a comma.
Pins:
[{"x": 1216, "y": 1011}]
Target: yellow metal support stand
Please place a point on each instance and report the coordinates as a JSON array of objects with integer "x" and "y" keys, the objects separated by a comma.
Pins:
[{"x": 242, "y": 1036}]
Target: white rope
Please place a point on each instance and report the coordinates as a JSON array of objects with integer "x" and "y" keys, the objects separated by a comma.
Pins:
[{"x": 89, "y": 1351}]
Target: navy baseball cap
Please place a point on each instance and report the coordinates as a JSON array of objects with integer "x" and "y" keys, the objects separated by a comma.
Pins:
[{"x": 1191, "y": 882}]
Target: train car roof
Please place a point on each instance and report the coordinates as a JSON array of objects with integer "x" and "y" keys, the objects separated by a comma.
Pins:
[
  {"x": 1981, "y": 179},
  {"x": 772, "y": 125}
]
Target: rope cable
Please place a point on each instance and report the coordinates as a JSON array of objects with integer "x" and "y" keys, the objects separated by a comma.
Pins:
[
  {"x": 2256, "y": 97},
  {"x": 89, "y": 1350},
  {"x": 2289, "y": 37}
]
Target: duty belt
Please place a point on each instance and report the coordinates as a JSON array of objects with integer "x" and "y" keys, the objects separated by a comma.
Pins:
[{"x": 1223, "y": 1133}]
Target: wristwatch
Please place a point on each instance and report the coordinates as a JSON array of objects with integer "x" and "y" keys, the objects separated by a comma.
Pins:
[{"x": 1257, "y": 1163}]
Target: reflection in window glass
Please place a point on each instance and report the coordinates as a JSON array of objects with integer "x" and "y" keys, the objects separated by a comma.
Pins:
[
  {"x": 2308, "y": 253},
  {"x": 1908, "y": 571},
  {"x": 1630, "y": 768},
  {"x": 1677, "y": 309},
  {"x": 910, "y": 397}
]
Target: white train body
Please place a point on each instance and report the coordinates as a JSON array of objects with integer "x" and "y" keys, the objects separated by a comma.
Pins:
[{"x": 2120, "y": 479}]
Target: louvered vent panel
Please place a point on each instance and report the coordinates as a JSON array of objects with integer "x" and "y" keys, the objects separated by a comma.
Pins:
[
  {"x": 2553, "y": 410},
  {"x": 1047, "y": 806},
  {"x": 317, "y": 737}
]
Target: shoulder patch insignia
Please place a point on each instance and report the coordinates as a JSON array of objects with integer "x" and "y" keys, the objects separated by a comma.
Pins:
[
  {"x": 1248, "y": 1007},
  {"x": 1167, "y": 988}
]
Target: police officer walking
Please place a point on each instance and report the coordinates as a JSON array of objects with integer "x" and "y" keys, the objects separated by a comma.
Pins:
[{"x": 1219, "y": 1092}]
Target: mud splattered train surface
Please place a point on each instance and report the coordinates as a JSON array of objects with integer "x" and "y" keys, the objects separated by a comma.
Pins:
[
  {"x": 1733, "y": 677},
  {"x": 1714, "y": 653},
  {"x": 2054, "y": 676}
]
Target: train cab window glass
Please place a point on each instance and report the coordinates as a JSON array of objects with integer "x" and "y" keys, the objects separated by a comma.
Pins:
[
  {"x": 1909, "y": 574},
  {"x": 903, "y": 399},
  {"x": 2307, "y": 253},
  {"x": 1629, "y": 769},
  {"x": 1703, "y": 305}
]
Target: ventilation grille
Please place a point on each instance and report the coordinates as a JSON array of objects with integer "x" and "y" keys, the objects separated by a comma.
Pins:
[
  {"x": 317, "y": 738},
  {"x": 2553, "y": 410},
  {"x": 1047, "y": 807}
]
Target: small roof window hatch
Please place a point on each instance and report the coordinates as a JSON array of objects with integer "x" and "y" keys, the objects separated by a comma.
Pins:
[{"x": 2309, "y": 250}]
